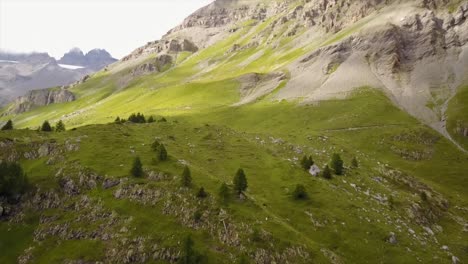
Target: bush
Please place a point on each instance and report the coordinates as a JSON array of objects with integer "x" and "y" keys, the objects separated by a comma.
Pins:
[
  {"x": 337, "y": 164},
  {"x": 202, "y": 193},
  {"x": 240, "y": 181},
  {"x": 8, "y": 125},
  {"x": 326, "y": 173},
  {"x": 46, "y": 127},
  {"x": 186, "y": 180},
  {"x": 13, "y": 180},
  {"x": 137, "y": 168},
  {"x": 60, "y": 126},
  {"x": 300, "y": 192}
]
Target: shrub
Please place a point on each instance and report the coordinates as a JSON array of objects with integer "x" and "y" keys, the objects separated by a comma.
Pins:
[
  {"x": 137, "y": 168},
  {"x": 46, "y": 127},
  {"x": 8, "y": 125},
  {"x": 300, "y": 192},
  {"x": 240, "y": 181}
]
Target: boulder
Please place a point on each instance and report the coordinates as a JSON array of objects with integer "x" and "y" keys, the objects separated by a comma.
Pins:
[
  {"x": 109, "y": 183},
  {"x": 392, "y": 238}
]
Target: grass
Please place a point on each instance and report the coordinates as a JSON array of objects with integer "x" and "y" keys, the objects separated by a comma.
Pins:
[{"x": 457, "y": 116}]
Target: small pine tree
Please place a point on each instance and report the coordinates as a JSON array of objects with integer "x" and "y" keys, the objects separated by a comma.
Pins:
[
  {"x": 117, "y": 120},
  {"x": 424, "y": 197},
  {"x": 137, "y": 168},
  {"x": 60, "y": 126},
  {"x": 307, "y": 162},
  {"x": 46, "y": 127},
  {"x": 355, "y": 163},
  {"x": 163, "y": 119},
  {"x": 151, "y": 119},
  {"x": 300, "y": 192},
  {"x": 155, "y": 145},
  {"x": 186, "y": 177},
  {"x": 337, "y": 164},
  {"x": 223, "y": 193},
  {"x": 327, "y": 173},
  {"x": 311, "y": 161},
  {"x": 162, "y": 155},
  {"x": 240, "y": 181},
  {"x": 8, "y": 125},
  {"x": 189, "y": 255},
  {"x": 202, "y": 193}
]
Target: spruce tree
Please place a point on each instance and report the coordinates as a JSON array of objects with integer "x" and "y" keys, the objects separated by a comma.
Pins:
[
  {"x": 223, "y": 193},
  {"x": 327, "y": 173},
  {"x": 117, "y": 120},
  {"x": 202, "y": 193},
  {"x": 8, "y": 125},
  {"x": 189, "y": 255},
  {"x": 355, "y": 163},
  {"x": 60, "y": 126},
  {"x": 240, "y": 181},
  {"x": 162, "y": 155},
  {"x": 13, "y": 180},
  {"x": 137, "y": 168},
  {"x": 300, "y": 192},
  {"x": 186, "y": 177},
  {"x": 46, "y": 127},
  {"x": 337, "y": 164},
  {"x": 151, "y": 119}
]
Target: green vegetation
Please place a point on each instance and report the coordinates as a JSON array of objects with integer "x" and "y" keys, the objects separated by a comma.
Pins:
[
  {"x": 307, "y": 162},
  {"x": 240, "y": 181},
  {"x": 13, "y": 181},
  {"x": 300, "y": 193},
  {"x": 457, "y": 118},
  {"x": 46, "y": 127},
  {"x": 186, "y": 179},
  {"x": 8, "y": 125},
  {"x": 337, "y": 164},
  {"x": 60, "y": 126},
  {"x": 326, "y": 173},
  {"x": 137, "y": 168}
]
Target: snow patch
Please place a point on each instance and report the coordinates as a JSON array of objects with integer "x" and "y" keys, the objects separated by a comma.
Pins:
[{"x": 71, "y": 67}]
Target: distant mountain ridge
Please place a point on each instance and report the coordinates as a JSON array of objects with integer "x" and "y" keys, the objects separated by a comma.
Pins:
[
  {"x": 95, "y": 59},
  {"x": 24, "y": 72}
]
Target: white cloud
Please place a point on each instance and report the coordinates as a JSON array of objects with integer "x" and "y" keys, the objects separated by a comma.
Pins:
[{"x": 120, "y": 26}]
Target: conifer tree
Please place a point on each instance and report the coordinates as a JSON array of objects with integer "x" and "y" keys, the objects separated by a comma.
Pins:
[
  {"x": 202, "y": 193},
  {"x": 223, "y": 193},
  {"x": 46, "y": 127},
  {"x": 186, "y": 177},
  {"x": 337, "y": 164},
  {"x": 60, "y": 126},
  {"x": 327, "y": 173},
  {"x": 117, "y": 120},
  {"x": 300, "y": 192},
  {"x": 240, "y": 181},
  {"x": 8, "y": 125},
  {"x": 151, "y": 119},
  {"x": 137, "y": 168},
  {"x": 162, "y": 155}
]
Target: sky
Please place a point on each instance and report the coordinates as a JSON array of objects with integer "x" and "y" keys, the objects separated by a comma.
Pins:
[{"x": 119, "y": 26}]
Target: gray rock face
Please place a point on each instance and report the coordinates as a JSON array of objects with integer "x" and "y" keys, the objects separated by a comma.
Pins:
[
  {"x": 38, "y": 98},
  {"x": 157, "y": 65}
]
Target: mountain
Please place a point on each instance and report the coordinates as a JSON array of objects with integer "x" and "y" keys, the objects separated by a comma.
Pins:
[
  {"x": 375, "y": 92},
  {"x": 95, "y": 59}
]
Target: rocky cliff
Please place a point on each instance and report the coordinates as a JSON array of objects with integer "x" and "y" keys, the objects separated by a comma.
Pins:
[
  {"x": 38, "y": 98},
  {"x": 95, "y": 59}
]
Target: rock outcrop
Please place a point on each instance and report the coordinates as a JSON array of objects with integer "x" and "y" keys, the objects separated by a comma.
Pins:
[
  {"x": 38, "y": 98},
  {"x": 95, "y": 59}
]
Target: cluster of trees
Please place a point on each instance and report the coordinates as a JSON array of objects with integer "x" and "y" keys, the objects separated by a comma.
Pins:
[
  {"x": 307, "y": 162},
  {"x": 45, "y": 127},
  {"x": 138, "y": 118},
  {"x": 160, "y": 150},
  {"x": 13, "y": 180}
]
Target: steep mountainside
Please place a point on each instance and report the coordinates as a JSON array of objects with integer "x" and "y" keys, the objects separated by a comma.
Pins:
[
  {"x": 95, "y": 59},
  {"x": 260, "y": 85}
]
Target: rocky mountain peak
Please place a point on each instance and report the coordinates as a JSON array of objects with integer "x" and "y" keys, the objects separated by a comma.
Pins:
[{"x": 95, "y": 59}]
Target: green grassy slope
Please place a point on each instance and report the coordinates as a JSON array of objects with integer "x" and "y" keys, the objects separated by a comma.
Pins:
[
  {"x": 457, "y": 116},
  {"x": 265, "y": 141}
]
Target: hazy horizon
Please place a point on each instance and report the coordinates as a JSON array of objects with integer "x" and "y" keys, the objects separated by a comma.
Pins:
[{"x": 56, "y": 26}]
